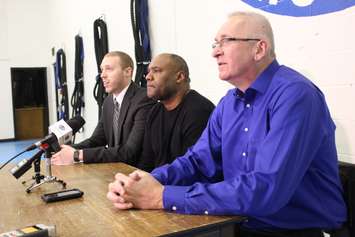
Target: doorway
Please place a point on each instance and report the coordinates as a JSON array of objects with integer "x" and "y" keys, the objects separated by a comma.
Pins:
[{"x": 30, "y": 102}]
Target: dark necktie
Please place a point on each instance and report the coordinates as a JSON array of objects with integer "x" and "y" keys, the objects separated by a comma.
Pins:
[{"x": 116, "y": 114}]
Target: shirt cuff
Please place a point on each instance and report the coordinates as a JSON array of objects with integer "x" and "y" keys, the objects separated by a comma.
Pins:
[
  {"x": 156, "y": 176},
  {"x": 174, "y": 198},
  {"x": 85, "y": 157}
]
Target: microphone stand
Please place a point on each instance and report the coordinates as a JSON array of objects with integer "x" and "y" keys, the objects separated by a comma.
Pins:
[
  {"x": 36, "y": 159},
  {"x": 48, "y": 178}
]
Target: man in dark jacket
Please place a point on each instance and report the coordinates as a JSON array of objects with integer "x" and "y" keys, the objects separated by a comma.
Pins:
[
  {"x": 178, "y": 119},
  {"x": 118, "y": 135}
]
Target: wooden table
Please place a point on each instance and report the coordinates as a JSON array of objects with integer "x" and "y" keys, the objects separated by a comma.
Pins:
[{"x": 93, "y": 214}]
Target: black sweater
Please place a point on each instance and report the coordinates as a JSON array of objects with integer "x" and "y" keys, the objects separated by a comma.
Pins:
[{"x": 168, "y": 134}]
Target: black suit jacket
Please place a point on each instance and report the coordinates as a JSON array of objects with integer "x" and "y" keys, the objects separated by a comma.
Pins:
[{"x": 100, "y": 146}]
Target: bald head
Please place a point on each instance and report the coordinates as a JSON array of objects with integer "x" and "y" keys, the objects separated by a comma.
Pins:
[
  {"x": 254, "y": 25},
  {"x": 177, "y": 63},
  {"x": 168, "y": 79}
]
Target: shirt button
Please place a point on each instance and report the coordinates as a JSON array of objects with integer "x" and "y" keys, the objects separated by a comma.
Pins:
[
  {"x": 247, "y": 105},
  {"x": 206, "y": 212},
  {"x": 246, "y": 129},
  {"x": 244, "y": 154},
  {"x": 173, "y": 208}
]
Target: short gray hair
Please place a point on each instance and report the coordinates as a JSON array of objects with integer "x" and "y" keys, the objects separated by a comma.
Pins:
[{"x": 265, "y": 30}]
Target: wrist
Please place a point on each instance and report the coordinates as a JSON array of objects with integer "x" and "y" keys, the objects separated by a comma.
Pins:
[{"x": 160, "y": 202}]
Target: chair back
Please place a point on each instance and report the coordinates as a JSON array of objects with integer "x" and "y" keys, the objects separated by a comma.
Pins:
[{"x": 347, "y": 175}]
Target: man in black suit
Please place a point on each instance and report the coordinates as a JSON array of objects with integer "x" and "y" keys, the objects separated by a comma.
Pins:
[{"x": 118, "y": 135}]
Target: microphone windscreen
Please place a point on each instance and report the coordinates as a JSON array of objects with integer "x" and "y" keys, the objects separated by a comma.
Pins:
[{"x": 76, "y": 123}]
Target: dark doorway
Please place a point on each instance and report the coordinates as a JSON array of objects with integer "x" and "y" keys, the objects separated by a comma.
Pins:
[{"x": 30, "y": 102}]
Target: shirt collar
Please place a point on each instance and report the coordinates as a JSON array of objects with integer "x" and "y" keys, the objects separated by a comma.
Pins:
[
  {"x": 119, "y": 97},
  {"x": 263, "y": 81}
]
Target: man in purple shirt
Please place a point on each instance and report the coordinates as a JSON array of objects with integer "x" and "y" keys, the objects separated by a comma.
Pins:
[{"x": 267, "y": 153}]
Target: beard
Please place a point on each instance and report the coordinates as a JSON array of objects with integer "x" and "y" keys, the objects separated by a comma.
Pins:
[{"x": 164, "y": 94}]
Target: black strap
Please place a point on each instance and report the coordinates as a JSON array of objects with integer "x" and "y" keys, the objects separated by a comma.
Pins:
[
  {"x": 101, "y": 48},
  {"x": 61, "y": 86},
  {"x": 56, "y": 89},
  {"x": 243, "y": 232},
  {"x": 77, "y": 99},
  {"x": 347, "y": 176},
  {"x": 139, "y": 20}
]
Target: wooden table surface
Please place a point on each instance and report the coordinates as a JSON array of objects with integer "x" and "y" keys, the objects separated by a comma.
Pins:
[{"x": 93, "y": 214}]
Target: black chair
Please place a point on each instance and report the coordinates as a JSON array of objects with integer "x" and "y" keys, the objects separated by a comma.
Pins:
[{"x": 347, "y": 176}]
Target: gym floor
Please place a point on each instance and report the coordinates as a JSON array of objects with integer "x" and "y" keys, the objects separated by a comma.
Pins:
[{"x": 9, "y": 149}]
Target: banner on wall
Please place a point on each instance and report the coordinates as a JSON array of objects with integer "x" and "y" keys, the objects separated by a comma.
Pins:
[{"x": 300, "y": 8}]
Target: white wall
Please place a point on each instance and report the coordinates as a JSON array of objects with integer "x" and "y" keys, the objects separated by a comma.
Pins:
[
  {"x": 7, "y": 124},
  {"x": 23, "y": 43},
  {"x": 4, "y": 34},
  {"x": 75, "y": 17},
  {"x": 321, "y": 47}
]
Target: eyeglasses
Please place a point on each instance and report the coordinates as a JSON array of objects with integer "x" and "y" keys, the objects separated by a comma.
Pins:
[{"x": 225, "y": 40}]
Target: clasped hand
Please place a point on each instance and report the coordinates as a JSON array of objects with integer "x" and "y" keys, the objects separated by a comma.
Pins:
[{"x": 137, "y": 190}]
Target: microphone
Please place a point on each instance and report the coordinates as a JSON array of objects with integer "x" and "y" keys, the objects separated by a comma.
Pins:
[
  {"x": 25, "y": 165},
  {"x": 60, "y": 133}
]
